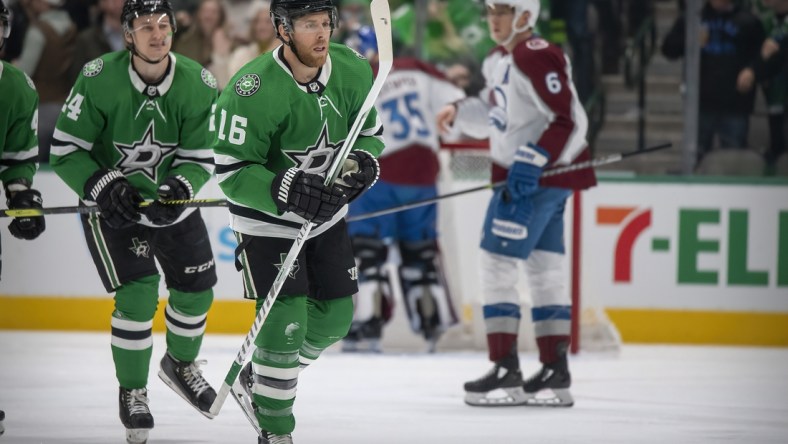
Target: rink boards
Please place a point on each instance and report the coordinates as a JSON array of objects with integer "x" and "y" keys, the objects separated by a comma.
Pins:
[{"x": 670, "y": 261}]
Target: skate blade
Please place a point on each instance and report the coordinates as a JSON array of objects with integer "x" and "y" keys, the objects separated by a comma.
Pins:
[
  {"x": 137, "y": 436},
  {"x": 171, "y": 384},
  {"x": 240, "y": 396},
  {"x": 550, "y": 398},
  {"x": 502, "y": 397}
]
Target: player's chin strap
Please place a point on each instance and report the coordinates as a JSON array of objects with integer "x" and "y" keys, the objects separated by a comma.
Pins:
[{"x": 515, "y": 29}]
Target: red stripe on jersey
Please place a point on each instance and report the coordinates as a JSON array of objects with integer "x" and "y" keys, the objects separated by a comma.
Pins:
[{"x": 415, "y": 165}]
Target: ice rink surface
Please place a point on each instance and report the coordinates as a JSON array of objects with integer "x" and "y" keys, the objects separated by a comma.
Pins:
[{"x": 60, "y": 388}]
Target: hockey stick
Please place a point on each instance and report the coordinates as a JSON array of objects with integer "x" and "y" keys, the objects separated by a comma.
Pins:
[
  {"x": 613, "y": 158},
  {"x": 381, "y": 18},
  {"x": 28, "y": 212}
]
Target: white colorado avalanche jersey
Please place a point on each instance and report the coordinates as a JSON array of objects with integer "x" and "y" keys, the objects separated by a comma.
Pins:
[{"x": 529, "y": 98}]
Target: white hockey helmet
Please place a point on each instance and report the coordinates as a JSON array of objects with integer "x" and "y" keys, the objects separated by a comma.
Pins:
[{"x": 520, "y": 6}]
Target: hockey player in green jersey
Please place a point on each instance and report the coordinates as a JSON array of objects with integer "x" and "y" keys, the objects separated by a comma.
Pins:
[
  {"x": 18, "y": 146},
  {"x": 137, "y": 126},
  {"x": 279, "y": 124},
  {"x": 18, "y": 141}
]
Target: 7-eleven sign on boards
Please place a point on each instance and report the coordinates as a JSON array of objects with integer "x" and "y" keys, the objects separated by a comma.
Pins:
[{"x": 687, "y": 244}]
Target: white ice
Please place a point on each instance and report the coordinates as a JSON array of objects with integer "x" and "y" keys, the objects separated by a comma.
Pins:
[{"x": 60, "y": 387}]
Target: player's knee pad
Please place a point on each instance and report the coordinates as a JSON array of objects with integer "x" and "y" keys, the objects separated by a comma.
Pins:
[
  {"x": 186, "y": 313},
  {"x": 137, "y": 300},
  {"x": 328, "y": 322},
  {"x": 427, "y": 299},
  {"x": 547, "y": 278},
  {"x": 285, "y": 327},
  {"x": 499, "y": 278},
  {"x": 192, "y": 303}
]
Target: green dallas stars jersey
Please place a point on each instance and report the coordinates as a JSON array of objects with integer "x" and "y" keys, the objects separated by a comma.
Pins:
[
  {"x": 267, "y": 122},
  {"x": 110, "y": 121},
  {"x": 18, "y": 125}
]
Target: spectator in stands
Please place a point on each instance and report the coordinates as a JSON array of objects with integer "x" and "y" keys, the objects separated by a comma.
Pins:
[
  {"x": 775, "y": 83},
  {"x": 47, "y": 51},
  {"x": 207, "y": 40},
  {"x": 730, "y": 41},
  {"x": 262, "y": 38},
  {"x": 106, "y": 35}
]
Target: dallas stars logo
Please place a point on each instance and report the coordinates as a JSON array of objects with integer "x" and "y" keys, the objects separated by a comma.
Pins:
[
  {"x": 293, "y": 269},
  {"x": 144, "y": 155},
  {"x": 140, "y": 249},
  {"x": 247, "y": 85},
  {"x": 315, "y": 159},
  {"x": 93, "y": 68}
]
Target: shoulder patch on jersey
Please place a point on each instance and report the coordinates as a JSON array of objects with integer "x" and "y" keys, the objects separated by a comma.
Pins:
[
  {"x": 537, "y": 44},
  {"x": 29, "y": 81},
  {"x": 93, "y": 68},
  {"x": 208, "y": 78},
  {"x": 358, "y": 54},
  {"x": 247, "y": 85}
]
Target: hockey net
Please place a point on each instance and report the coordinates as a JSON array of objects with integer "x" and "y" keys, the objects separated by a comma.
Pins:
[{"x": 465, "y": 165}]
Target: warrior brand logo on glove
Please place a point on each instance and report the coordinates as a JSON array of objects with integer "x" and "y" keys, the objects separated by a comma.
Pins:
[{"x": 306, "y": 195}]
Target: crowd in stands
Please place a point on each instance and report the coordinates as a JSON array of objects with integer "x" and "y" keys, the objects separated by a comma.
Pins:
[{"x": 743, "y": 45}]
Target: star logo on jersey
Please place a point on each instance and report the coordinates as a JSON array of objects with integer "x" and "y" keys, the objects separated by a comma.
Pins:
[
  {"x": 140, "y": 248},
  {"x": 247, "y": 85},
  {"x": 317, "y": 158},
  {"x": 208, "y": 78},
  {"x": 144, "y": 155},
  {"x": 93, "y": 68},
  {"x": 293, "y": 269}
]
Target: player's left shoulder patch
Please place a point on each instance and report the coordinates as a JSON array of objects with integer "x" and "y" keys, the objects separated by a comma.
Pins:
[
  {"x": 358, "y": 54},
  {"x": 29, "y": 81},
  {"x": 537, "y": 44},
  {"x": 208, "y": 78},
  {"x": 93, "y": 68},
  {"x": 247, "y": 85}
]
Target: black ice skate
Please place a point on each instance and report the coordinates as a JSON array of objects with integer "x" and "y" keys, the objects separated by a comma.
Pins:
[
  {"x": 242, "y": 393},
  {"x": 2, "y": 417},
  {"x": 135, "y": 415},
  {"x": 501, "y": 386},
  {"x": 553, "y": 379},
  {"x": 270, "y": 438},
  {"x": 185, "y": 378}
]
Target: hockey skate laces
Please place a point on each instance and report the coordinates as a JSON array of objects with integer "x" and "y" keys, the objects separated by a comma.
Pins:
[
  {"x": 137, "y": 401},
  {"x": 193, "y": 376}
]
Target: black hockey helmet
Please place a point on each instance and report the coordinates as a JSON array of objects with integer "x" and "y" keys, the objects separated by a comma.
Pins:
[
  {"x": 137, "y": 8},
  {"x": 5, "y": 22},
  {"x": 285, "y": 11}
]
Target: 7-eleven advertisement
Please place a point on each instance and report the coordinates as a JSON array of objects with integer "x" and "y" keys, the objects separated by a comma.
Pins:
[{"x": 689, "y": 260}]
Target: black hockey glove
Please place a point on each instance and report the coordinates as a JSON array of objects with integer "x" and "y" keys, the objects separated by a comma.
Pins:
[
  {"x": 359, "y": 172},
  {"x": 117, "y": 199},
  {"x": 21, "y": 197},
  {"x": 305, "y": 195},
  {"x": 173, "y": 188}
]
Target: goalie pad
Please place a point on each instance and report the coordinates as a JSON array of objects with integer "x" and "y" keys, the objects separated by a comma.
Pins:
[
  {"x": 374, "y": 301},
  {"x": 427, "y": 299}
]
